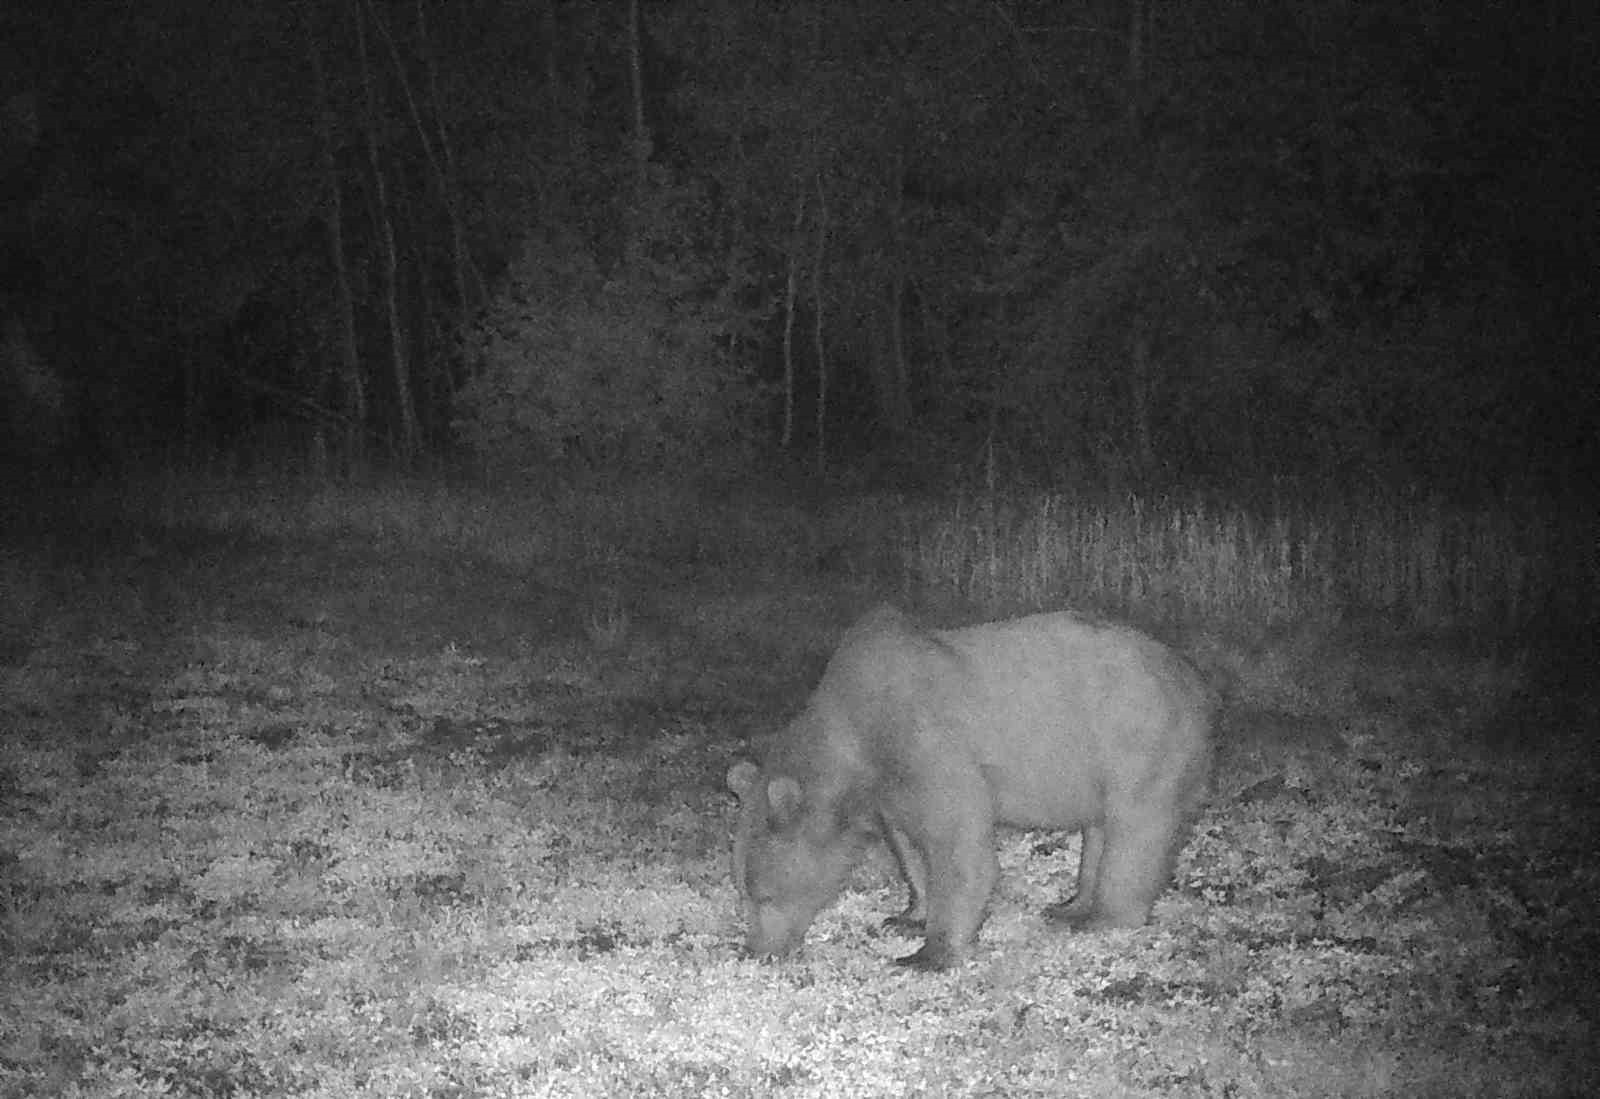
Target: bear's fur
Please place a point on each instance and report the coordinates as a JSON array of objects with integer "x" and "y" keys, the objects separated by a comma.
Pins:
[{"x": 930, "y": 738}]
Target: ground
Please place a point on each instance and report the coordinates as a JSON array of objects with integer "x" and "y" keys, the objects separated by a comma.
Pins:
[{"x": 343, "y": 816}]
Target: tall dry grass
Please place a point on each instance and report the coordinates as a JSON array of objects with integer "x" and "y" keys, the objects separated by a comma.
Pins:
[{"x": 1422, "y": 561}]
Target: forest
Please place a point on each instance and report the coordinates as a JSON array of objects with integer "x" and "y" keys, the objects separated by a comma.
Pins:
[{"x": 1113, "y": 242}]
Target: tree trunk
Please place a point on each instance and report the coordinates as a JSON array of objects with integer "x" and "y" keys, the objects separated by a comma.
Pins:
[
  {"x": 1138, "y": 27},
  {"x": 555, "y": 114},
  {"x": 191, "y": 398},
  {"x": 897, "y": 405},
  {"x": 353, "y": 387},
  {"x": 1140, "y": 399},
  {"x": 461, "y": 265},
  {"x": 440, "y": 162},
  {"x": 640, "y": 136},
  {"x": 894, "y": 375},
  {"x": 819, "y": 343},
  {"x": 790, "y": 298},
  {"x": 936, "y": 340},
  {"x": 405, "y": 440}
]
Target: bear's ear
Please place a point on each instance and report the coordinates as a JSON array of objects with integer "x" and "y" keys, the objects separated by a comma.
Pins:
[
  {"x": 784, "y": 798},
  {"x": 742, "y": 778}
]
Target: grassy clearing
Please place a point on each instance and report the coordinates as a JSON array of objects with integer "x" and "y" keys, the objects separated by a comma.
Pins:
[
  {"x": 599, "y": 523},
  {"x": 1420, "y": 562},
  {"x": 298, "y": 843}
]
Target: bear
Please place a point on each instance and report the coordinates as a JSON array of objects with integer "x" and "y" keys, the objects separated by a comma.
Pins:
[{"x": 930, "y": 738}]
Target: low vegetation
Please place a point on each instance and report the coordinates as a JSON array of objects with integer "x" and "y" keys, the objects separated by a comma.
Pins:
[
  {"x": 415, "y": 789},
  {"x": 1423, "y": 562}
]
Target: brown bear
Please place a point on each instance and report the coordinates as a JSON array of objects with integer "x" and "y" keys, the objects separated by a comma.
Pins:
[{"x": 930, "y": 738}]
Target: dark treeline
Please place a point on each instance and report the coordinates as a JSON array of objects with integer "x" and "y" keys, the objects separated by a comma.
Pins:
[{"x": 1140, "y": 241}]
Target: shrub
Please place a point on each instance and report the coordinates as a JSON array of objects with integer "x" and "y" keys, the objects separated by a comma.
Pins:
[{"x": 632, "y": 371}]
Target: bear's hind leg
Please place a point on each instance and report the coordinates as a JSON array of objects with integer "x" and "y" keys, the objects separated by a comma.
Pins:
[
  {"x": 1134, "y": 865},
  {"x": 1081, "y": 907}
]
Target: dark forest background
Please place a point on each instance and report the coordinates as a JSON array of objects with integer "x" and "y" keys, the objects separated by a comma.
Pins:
[{"x": 1135, "y": 241}]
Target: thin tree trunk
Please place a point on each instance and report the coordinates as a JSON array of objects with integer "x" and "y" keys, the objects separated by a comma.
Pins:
[
  {"x": 555, "y": 115},
  {"x": 462, "y": 268},
  {"x": 897, "y": 398},
  {"x": 1138, "y": 25},
  {"x": 641, "y": 138},
  {"x": 820, "y": 343},
  {"x": 434, "y": 386},
  {"x": 790, "y": 301},
  {"x": 405, "y": 443},
  {"x": 936, "y": 336},
  {"x": 191, "y": 398},
  {"x": 353, "y": 402},
  {"x": 1145, "y": 454},
  {"x": 1323, "y": 38},
  {"x": 901, "y": 377},
  {"x": 440, "y": 164},
  {"x": 896, "y": 411}
]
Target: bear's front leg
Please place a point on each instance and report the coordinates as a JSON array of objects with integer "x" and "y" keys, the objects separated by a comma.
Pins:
[
  {"x": 914, "y": 871},
  {"x": 962, "y": 871}
]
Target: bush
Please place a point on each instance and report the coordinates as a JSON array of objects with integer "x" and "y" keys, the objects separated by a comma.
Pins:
[{"x": 628, "y": 372}]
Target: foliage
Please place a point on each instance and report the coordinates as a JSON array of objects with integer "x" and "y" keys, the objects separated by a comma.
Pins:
[
  {"x": 636, "y": 370},
  {"x": 1306, "y": 236}
]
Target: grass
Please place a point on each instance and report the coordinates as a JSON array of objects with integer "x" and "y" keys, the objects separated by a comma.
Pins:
[
  {"x": 1421, "y": 561},
  {"x": 415, "y": 789}
]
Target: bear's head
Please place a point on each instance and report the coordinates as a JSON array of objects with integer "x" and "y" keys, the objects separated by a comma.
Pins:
[{"x": 792, "y": 854}]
